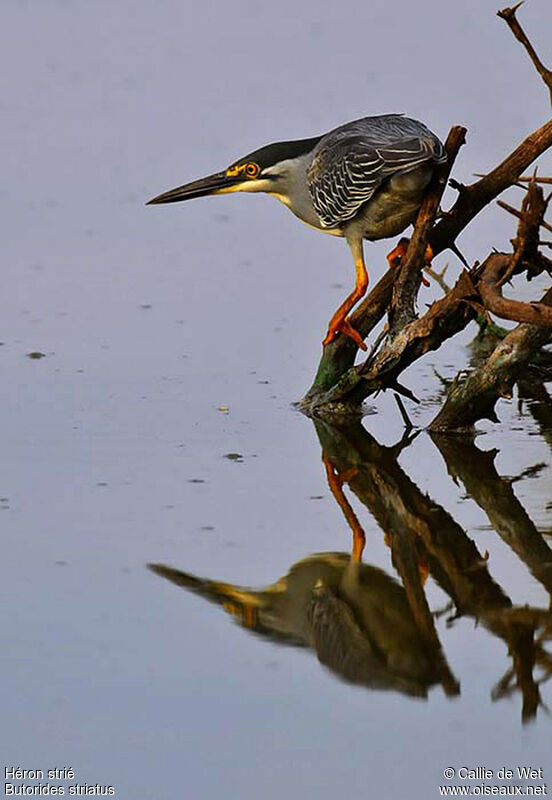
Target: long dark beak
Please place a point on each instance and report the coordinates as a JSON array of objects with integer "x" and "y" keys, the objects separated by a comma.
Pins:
[{"x": 209, "y": 185}]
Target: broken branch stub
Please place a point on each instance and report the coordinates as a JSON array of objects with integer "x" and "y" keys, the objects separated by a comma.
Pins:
[{"x": 407, "y": 282}]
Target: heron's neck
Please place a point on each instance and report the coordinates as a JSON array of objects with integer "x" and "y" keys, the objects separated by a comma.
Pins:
[{"x": 291, "y": 187}]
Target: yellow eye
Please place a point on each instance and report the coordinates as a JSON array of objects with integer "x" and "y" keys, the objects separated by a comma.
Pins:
[{"x": 252, "y": 170}]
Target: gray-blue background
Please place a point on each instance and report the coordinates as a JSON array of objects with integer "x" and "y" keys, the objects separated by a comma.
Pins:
[{"x": 153, "y": 318}]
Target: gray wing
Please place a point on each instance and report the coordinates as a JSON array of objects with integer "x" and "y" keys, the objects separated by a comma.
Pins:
[{"x": 351, "y": 162}]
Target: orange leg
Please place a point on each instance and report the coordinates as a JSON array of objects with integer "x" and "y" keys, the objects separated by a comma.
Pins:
[
  {"x": 335, "y": 482},
  {"x": 339, "y": 323},
  {"x": 398, "y": 253}
]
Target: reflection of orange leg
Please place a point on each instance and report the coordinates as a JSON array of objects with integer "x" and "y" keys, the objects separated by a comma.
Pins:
[
  {"x": 398, "y": 253},
  {"x": 335, "y": 482},
  {"x": 423, "y": 567},
  {"x": 339, "y": 323},
  {"x": 423, "y": 564}
]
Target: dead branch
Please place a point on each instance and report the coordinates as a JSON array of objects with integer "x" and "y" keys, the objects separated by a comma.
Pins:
[
  {"x": 526, "y": 243},
  {"x": 518, "y": 214},
  {"x": 497, "y": 265},
  {"x": 476, "y": 196},
  {"x": 509, "y": 15},
  {"x": 536, "y": 178},
  {"x": 478, "y": 291},
  {"x": 407, "y": 282},
  {"x": 474, "y": 398}
]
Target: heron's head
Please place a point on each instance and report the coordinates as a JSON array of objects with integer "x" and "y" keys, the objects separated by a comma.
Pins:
[{"x": 268, "y": 169}]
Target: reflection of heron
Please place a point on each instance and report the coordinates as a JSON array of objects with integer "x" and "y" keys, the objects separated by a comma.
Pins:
[{"x": 353, "y": 615}]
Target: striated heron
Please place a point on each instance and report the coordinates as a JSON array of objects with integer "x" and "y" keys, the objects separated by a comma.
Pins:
[{"x": 363, "y": 180}]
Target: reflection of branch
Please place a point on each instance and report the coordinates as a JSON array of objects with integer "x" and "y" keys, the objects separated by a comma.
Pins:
[
  {"x": 377, "y": 480},
  {"x": 417, "y": 527},
  {"x": 532, "y": 388},
  {"x": 521, "y": 646},
  {"x": 400, "y": 508},
  {"x": 476, "y": 469},
  {"x": 516, "y": 626},
  {"x": 509, "y": 15}
]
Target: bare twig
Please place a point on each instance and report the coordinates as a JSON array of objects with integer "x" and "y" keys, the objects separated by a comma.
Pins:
[
  {"x": 509, "y": 15},
  {"x": 477, "y": 195},
  {"x": 529, "y": 178},
  {"x": 516, "y": 213},
  {"x": 526, "y": 243},
  {"x": 521, "y": 180},
  {"x": 439, "y": 277}
]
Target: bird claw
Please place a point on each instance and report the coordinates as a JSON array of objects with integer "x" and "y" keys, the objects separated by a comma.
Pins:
[{"x": 344, "y": 326}]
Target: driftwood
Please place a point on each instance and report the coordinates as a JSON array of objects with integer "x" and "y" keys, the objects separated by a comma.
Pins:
[{"x": 341, "y": 385}]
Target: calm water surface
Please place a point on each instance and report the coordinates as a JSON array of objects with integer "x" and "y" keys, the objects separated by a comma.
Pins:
[{"x": 256, "y": 657}]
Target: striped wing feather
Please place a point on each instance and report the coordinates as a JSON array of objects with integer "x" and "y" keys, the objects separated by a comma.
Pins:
[{"x": 350, "y": 163}]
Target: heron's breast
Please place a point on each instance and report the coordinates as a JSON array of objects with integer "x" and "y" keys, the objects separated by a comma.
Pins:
[{"x": 394, "y": 207}]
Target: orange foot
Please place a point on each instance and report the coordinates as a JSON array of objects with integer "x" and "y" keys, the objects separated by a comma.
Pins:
[
  {"x": 339, "y": 322},
  {"x": 343, "y": 326},
  {"x": 396, "y": 255}
]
